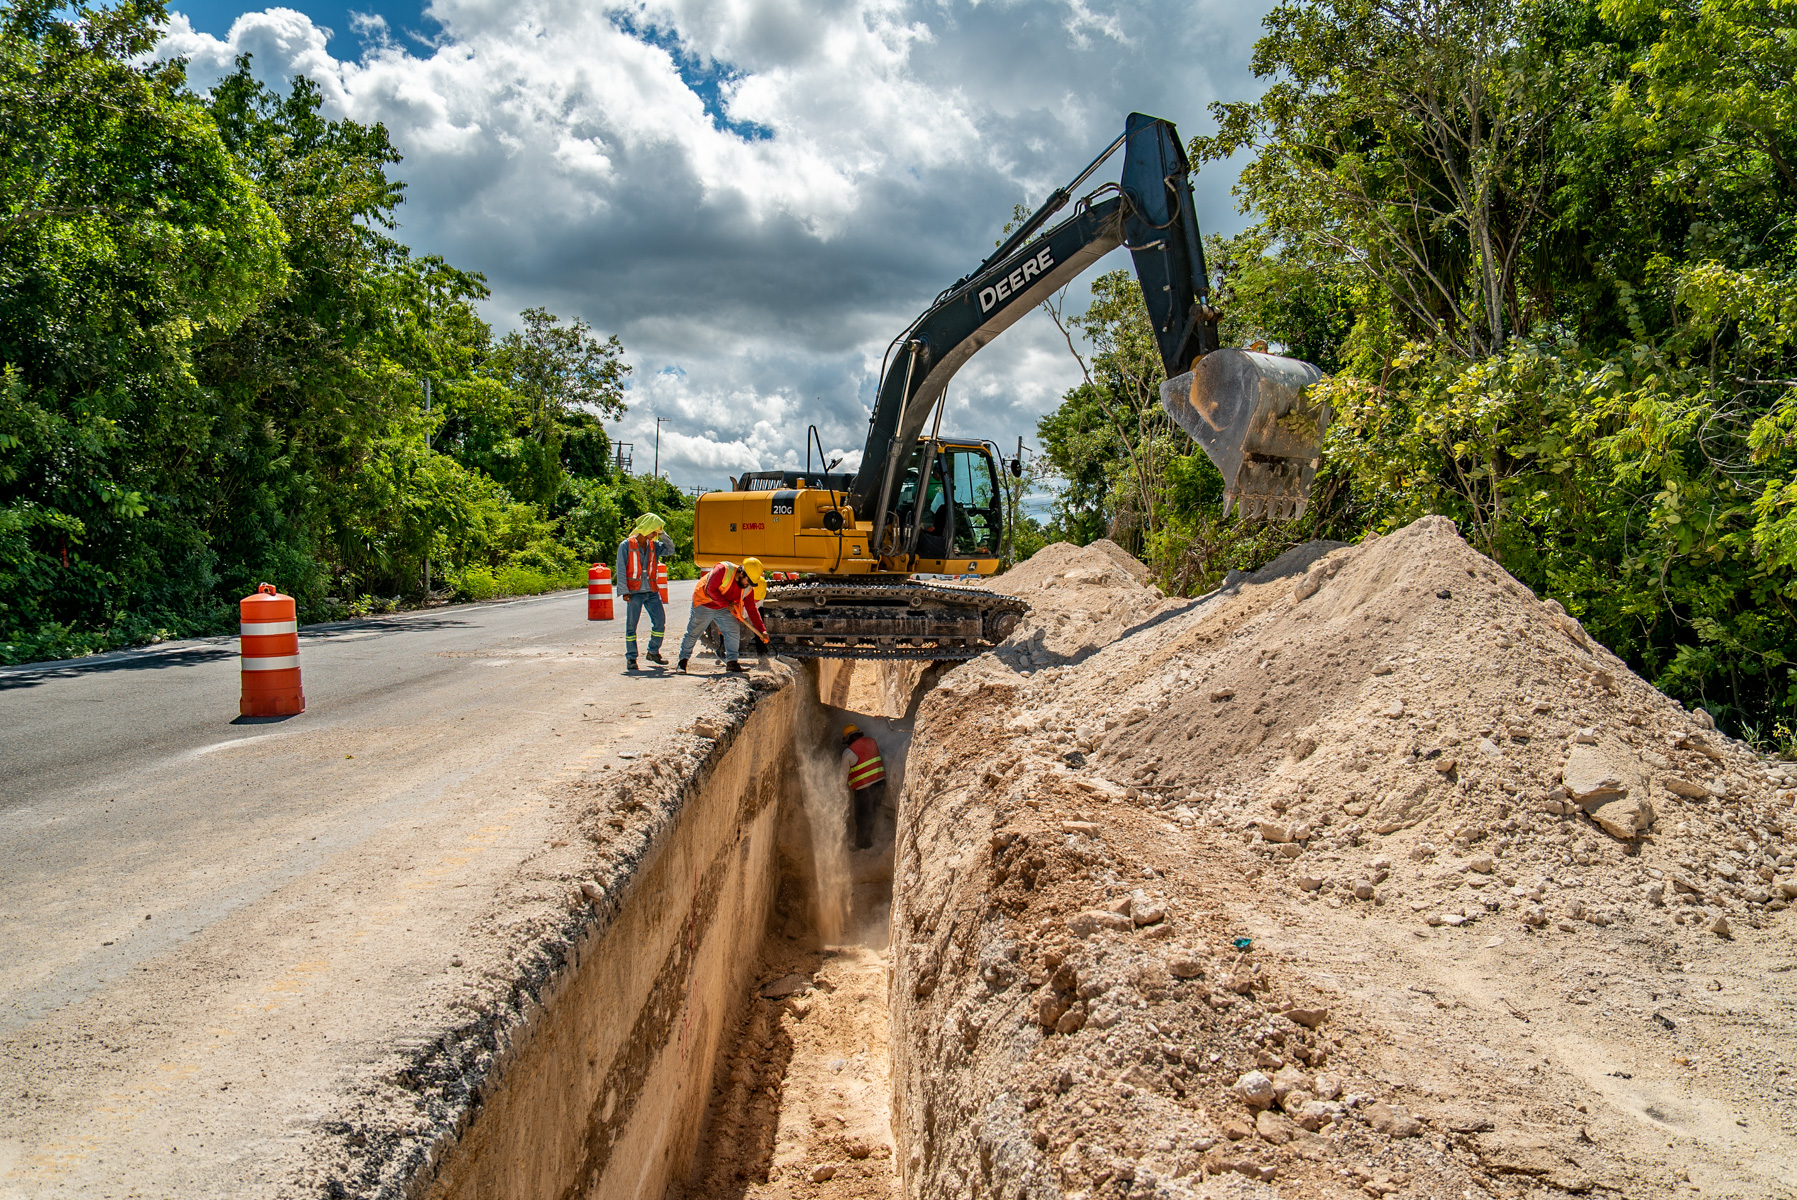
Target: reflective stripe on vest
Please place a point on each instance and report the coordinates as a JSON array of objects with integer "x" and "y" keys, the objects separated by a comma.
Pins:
[
  {"x": 634, "y": 571},
  {"x": 868, "y": 769}
]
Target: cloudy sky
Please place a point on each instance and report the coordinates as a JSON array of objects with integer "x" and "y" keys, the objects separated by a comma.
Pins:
[{"x": 755, "y": 195}]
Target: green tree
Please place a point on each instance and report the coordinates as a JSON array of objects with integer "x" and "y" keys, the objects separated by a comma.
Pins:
[
  {"x": 559, "y": 370},
  {"x": 129, "y": 239},
  {"x": 1559, "y": 237}
]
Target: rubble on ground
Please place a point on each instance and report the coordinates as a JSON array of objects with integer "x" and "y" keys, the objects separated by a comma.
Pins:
[{"x": 1356, "y": 745}]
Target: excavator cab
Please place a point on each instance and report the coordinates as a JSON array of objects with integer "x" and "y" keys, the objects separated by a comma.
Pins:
[{"x": 958, "y": 526}]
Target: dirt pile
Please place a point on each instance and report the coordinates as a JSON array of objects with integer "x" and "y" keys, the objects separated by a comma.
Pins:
[
  {"x": 1082, "y": 598},
  {"x": 1371, "y": 871}
]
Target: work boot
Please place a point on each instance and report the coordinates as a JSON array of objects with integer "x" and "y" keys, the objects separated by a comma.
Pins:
[
  {"x": 682, "y": 667},
  {"x": 630, "y": 665},
  {"x": 655, "y": 657},
  {"x": 733, "y": 665}
]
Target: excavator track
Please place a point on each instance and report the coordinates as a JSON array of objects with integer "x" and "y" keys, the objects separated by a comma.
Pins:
[{"x": 904, "y": 619}]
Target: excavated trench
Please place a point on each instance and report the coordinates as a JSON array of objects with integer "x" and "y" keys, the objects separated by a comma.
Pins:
[{"x": 722, "y": 1031}]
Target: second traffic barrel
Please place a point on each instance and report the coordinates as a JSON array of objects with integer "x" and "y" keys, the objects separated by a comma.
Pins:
[
  {"x": 599, "y": 592},
  {"x": 661, "y": 581},
  {"x": 269, "y": 644}
]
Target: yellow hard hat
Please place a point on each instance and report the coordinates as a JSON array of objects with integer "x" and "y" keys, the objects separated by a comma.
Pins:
[
  {"x": 757, "y": 577},
  {"x": 849, "y": 731}
]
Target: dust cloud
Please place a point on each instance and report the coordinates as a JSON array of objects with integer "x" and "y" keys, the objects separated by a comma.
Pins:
[{"x": 824, "y": 791}]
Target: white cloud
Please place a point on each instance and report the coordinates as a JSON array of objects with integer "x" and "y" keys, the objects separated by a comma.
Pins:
[{"x": 567, "y": 152}]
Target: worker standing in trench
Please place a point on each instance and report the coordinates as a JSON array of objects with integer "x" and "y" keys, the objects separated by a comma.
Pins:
[
  {"x": 638, "y": 555},
  {"x": 726, "y": 596},
  {"x": 867, "y": 781}
]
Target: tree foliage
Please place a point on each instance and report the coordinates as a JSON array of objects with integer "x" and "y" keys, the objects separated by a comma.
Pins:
[
  {"x": 215, "y": 356},
  {"x": 1548, "y": 252}
]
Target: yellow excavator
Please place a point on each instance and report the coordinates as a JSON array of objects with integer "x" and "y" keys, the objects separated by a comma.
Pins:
[{"x": 847, "y": 549}]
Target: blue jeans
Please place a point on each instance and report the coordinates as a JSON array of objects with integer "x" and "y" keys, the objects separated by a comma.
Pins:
[
  {"x": 634, "y": 604},
  {"x": 727, "y": 624}
]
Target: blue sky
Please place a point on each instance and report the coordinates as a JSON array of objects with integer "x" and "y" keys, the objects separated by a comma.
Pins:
[
  {"x": 754, "y": 195},
  {"x": 213, "y": 17}
]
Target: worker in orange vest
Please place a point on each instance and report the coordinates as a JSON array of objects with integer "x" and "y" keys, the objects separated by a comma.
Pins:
[
  {"x": 725, "y": 596},
  {"x": 637, "y": 556},
  {"x": 867, "y": 781}
]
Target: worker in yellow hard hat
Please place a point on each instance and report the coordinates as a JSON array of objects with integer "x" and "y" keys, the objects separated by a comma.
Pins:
[
  {"x": 867, "y": 781},
  {"x": 727, "y": 596},
  {"x": 638, "y": 555}
]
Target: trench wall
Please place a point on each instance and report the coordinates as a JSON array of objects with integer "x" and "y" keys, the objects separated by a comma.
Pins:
[{"x": 606, "y": 1095}]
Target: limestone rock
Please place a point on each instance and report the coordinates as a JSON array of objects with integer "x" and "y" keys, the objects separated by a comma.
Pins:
[
  {"x": 1626, "y": 818},
  {"x": 1310, "y": 1018},
  {"x": 1312, "y": 1115},
  {"x": 1274, "y": 1128},
  {"x": 1590, "y": 779},
  {"x": 1237, "y": 1128},
  {"x": 1392, "y": 1122},
  {"x": 1185, "y": 966},
  {"x": 1678, "y": 785},
  {"x": 1286, "y": 1080},
  {"x": 1089, "y": 922},
  {"x": 1255, "y": 1090}
]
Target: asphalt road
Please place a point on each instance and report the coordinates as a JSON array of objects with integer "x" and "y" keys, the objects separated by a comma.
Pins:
[
  {"x": 211, "y": 928},
  {"x": 136, "y": 809}
]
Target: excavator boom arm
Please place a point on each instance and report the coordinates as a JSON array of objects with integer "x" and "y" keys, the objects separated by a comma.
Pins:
[{"x": 1151, "y": 213}]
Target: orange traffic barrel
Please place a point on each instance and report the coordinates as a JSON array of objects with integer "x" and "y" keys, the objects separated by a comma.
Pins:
[
  {"x": 661, "y": 581},
  {"x": 599, "y": 592},
  {"x": 269, "y": 643}
]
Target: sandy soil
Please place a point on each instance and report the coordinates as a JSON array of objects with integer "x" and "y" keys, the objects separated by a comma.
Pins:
[
  {"x": 1316, "y": 888},
  {"x": 801, "y": 1092},
  {"x": 799, "y": 1099}
]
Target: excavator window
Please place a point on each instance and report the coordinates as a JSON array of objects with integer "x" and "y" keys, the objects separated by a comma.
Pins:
[
  {"x": 978, "y": 517},
  {"x": 961, "y": 511}
]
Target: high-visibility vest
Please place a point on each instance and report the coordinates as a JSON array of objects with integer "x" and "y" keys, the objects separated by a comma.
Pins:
[
  {"x": 639, "y": 564},
  {"x": 715, "y": 587},
  {"x": 868, "y": 769}
]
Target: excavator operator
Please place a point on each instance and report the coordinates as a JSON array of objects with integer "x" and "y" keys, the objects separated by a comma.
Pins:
[{"x": 726, "y": 596}]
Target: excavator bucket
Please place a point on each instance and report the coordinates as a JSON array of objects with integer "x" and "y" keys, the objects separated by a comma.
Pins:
[{"x": 1251, "y": 414}]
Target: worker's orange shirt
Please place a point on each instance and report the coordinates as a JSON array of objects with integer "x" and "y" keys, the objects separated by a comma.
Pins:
[{"x": 718, "y": 589}]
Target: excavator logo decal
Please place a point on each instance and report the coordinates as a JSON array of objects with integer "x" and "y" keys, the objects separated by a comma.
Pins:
[{"x": 1013, "y": 283}]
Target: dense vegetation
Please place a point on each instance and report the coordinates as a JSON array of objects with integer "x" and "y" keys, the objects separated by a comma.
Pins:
[
  {"x": 214, "y": 363},
  {"x": 1549, "y": 251}
]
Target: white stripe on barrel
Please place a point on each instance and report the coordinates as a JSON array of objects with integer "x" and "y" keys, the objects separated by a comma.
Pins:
[
  {"x": 265, "y": 628},
  {"x": 284, "y": 662}
]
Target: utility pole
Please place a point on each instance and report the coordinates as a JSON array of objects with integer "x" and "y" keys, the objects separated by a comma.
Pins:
[{"x": 658, "y": 421}]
